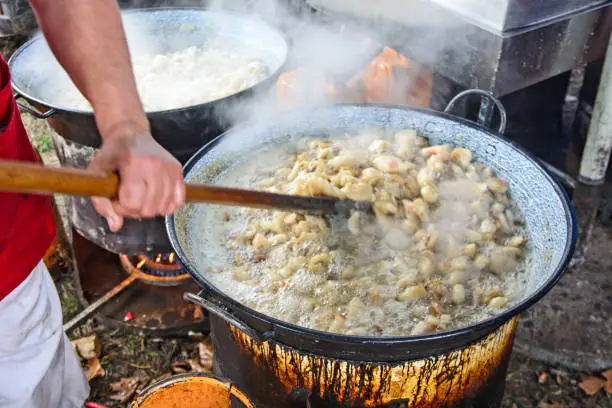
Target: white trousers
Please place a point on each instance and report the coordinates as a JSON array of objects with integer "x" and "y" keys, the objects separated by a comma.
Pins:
[{"x": 38, "y": 366}]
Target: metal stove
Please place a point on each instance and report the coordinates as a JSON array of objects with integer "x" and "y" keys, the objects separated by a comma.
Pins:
[
  {"x": 160, "y": 269},
  {"x": 146, "y": 292}
]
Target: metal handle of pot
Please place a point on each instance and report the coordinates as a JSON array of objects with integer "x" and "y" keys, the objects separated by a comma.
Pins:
[
  {"x": 222, "y": 313},
  {"x": 483, "y": 118},
  {"x": 561, "y": 177},
  {"x": 31, "y": 111}
]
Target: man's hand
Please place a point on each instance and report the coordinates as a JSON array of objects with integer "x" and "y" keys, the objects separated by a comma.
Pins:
[
  {"x": 151, "y": 179},
  {"x": 88, "y": 39}
]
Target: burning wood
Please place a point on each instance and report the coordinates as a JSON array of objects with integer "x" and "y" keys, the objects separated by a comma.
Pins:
[{"x": 393, "y": 78}]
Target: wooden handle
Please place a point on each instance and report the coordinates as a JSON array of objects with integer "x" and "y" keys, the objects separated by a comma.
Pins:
[
  {"x": 21, "y": 177},
  {"x": 259, "y": 199}
]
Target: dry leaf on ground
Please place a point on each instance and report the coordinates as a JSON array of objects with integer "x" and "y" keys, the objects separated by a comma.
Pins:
[
  {"x": 591, "y": 385},
  {"x": 143, "y": 380},
  {"x": 180, "y": 367},
  {"x": 196, "y": 367},
  {"x": 205, "y": 351},
  {"x": 87, "y": 347},
  {"x": 94, "y": 369},
  {"x": 124, "y": 389},
  {"x": 608, "y": 376},
  {"x": 189, "y": 366}
]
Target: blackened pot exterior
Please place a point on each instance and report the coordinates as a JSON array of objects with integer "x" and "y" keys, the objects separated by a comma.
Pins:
[
  {"x": 181, "y": 131},
  {"x": 278, "y": 376}
]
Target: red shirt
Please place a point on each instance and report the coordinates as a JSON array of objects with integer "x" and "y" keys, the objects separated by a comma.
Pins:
[{"x": 27, "y": 227}]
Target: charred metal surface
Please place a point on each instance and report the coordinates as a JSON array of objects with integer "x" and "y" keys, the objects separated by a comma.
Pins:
[{"x": 278, "y": 376}]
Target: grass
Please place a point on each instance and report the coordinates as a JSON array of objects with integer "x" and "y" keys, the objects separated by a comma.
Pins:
[{"x": 43, "y": 143}]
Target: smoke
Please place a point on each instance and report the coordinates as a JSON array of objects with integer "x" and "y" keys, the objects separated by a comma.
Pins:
[
  {"x": 337, "y": 44},
  {"x": 319, "y": 53},
  {"x": 327, "y": 50},
  {"x": 324, "y": 48}
]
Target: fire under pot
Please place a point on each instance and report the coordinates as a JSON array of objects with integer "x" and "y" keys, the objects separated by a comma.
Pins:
[{"x": 152, "y": 296}]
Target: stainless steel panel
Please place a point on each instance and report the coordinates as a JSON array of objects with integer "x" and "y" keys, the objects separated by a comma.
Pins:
[
  {"x": 506, "y": 15},
  {"x": 498, "y": 16}
]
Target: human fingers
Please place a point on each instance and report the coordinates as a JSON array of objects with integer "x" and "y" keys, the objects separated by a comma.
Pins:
[{"x": 102, "y": 164}]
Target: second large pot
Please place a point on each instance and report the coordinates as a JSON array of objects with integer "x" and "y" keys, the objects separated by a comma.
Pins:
[
  {"x": 284, "y": 365},
  {"x": 38, "y": 78}
]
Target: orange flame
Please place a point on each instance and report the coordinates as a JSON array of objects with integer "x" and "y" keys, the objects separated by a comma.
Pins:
[
  {"x": 393, "y": 78},
  {"x": 390, "y": 78},
  {"x": 165, "y": 259},
  {"x": 294, "y": 88},
  {"x": 141, "y": 263}
]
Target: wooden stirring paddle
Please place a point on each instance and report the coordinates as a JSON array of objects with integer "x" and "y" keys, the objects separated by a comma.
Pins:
[{"x": 22, "y": 177}]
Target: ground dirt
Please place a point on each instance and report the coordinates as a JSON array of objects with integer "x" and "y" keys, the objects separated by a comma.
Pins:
[{"x": 143, "y": 359}]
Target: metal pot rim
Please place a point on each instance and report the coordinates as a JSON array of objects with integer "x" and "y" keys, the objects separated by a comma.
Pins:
[
  {"x": 487, "y": 325},
  {"x": 158, "y": 113}
]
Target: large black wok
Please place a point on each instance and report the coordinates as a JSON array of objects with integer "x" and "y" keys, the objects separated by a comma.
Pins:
[
  {"x": 38, "y": 78},
  {"x": 545, "y": 205}
]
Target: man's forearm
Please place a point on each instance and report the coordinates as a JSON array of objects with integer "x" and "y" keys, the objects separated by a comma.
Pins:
[{"x": 88, "y": 40}]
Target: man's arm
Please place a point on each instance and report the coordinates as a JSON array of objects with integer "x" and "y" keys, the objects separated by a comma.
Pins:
[{"x": 88, "y": 39}]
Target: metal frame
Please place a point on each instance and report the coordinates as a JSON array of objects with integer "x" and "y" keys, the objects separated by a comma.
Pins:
[{"x": 471, "y": 56}]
